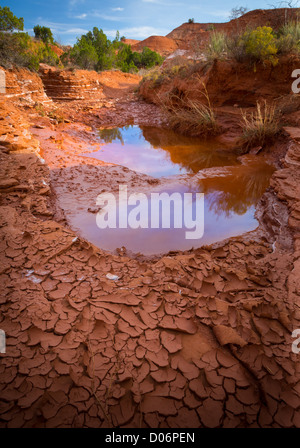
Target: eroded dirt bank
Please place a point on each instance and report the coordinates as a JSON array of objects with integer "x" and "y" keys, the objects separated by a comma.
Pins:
[{"x": 196, "y": 339}]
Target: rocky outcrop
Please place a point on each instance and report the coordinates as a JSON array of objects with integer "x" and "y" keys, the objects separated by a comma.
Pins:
[
  {"x": 130, "y": 41},
  {"x": 161, "y": 44},
  {"x": 85, "y": 85},
  {"x": 228, "y": 83},
  {"x": 14, "y": 130},
  {"x": 70, "y": 85},
  {"x": 24, "y": 85}
]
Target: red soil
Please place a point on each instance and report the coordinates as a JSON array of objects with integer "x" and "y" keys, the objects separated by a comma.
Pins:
[{"x": 160, "y": 44}]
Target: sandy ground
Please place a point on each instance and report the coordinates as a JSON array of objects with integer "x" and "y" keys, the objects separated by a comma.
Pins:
[{"x": 195, "y": 339}]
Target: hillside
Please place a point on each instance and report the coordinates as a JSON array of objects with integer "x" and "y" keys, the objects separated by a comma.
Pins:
[
  {"x": 160, "y": 44},
  {"x": 188, "y": 34}
]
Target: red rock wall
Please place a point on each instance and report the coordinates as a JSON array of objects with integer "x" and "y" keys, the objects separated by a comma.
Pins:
[
  {"x": 228, "y": 83},
  {"x": 22, "y": 84},
  {"x": 68, "y": 85}
]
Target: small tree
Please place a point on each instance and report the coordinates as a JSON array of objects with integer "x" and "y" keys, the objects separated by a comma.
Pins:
[
  {"x": 8, "y": 21},
  {"x": 237, "y": 12},
  {"x": 191, "y": 20},
  {"x": 83, "y": 54},
  {"x": 43, "y": 33}
]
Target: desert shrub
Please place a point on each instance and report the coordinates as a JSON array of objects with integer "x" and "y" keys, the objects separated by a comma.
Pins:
[
  {"x": 210, "y": 27},
  {"x": 155, "y": 76},
  {"x": 289, "y": 38},
  {"x": 14, "y": 49},
  {"x": 20, "y": 49},
  {"x": 260, "y": 44},
  {"x": 216, "y": 47},
  {"x": 46, "y": 55},
  {"x": 260, "y": 126},
  {"x": 190, "y": 117},
  {"x": 40, "y": 109},
  {"x": 236, "y": 47}
]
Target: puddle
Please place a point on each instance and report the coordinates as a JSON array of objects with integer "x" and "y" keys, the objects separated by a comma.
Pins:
[
  {"x": 159, "y": 152},
  {"x": 231, "y": 189}
]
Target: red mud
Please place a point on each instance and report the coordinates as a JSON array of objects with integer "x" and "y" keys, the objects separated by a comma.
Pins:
[{"x": 195, "y": 339}]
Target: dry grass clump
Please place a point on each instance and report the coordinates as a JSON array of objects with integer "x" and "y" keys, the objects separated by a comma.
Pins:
[
  {"x": 217, "y": 46},
  {"x": 261, "y": 126},
  {"x": 289, "y": 38},
  {"x": 178, "y": 66},
  {"x": 191, "y": 117}
]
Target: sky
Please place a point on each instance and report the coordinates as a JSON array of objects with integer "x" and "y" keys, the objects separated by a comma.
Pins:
[{"x": 134, "y": 19}]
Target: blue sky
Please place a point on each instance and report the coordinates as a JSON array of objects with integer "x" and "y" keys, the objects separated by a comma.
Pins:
[{"x": 135, "y": 19}]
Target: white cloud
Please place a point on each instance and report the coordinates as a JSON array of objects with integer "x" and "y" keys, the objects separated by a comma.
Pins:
[
  {"x": 80, "y": 16},
  {"x": 117, "y": 9},
  {"x": 74, "y": 31},
  {"x": 64, "y": 28}
]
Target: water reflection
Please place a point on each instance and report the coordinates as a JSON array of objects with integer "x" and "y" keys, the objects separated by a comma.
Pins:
[
  {"x": 190, "y": 153},
  {"x": 240, "y": 189},
  {"x": 160, "y": 152},
  {"x": 232, "y": 187},
  {"x": 108, "y": 135}
]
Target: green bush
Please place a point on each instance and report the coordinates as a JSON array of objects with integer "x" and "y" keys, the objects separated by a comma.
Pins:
[
  {"x": 124, "y": 59},
  {"x": 95, "y": 51},
  {"x": 46, "y": 55},
  {"x": 22, "y": 50},
  {"x": 147, "y": 58},
  {"x": 83, "y": 54}
]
